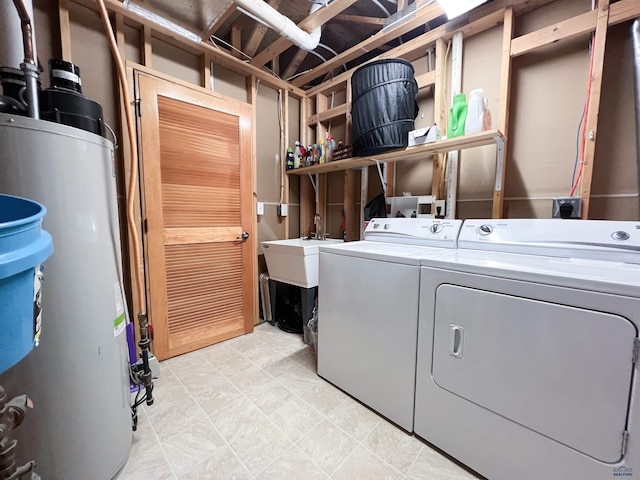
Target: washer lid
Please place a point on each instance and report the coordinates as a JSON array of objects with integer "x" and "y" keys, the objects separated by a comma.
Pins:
[
  {"x": 595, "y": 239},
  {"x": 388, "y": 252}
]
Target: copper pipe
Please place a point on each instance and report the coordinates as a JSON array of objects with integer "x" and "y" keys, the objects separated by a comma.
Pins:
[{"x": 27, "y": 31}]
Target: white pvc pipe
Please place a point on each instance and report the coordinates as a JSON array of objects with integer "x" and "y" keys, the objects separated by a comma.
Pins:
[
  {"x": 11, "y": 47},
  {"x": 283, "y": 25}
]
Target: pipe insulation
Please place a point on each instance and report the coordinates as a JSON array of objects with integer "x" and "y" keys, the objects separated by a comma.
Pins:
[
  {"x": 283, "y": 25},
  {"x": 11, "y": 46},
  {"x": 635, "y": 32}
]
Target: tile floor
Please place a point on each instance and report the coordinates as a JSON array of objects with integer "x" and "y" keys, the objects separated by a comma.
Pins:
[{"x": 254, "y": 408}]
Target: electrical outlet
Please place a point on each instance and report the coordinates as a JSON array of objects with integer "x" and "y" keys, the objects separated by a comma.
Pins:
[
  {"x": 440, "y": 208},
  {"x": 567, "y": 207},
  {"x": 260, "y": 208},
  {"x": 283, "y": 210}
]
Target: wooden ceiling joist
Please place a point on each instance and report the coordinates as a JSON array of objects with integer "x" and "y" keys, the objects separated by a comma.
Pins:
[
  {"x": 316, "y": 19},
  {"x": 425, "y": 14},
  {"x": 295, "y": 63},
  {"x": 258, "y": 32},
  {"x": 216, "y": 55},
  {"x": 359, "y": 19}
]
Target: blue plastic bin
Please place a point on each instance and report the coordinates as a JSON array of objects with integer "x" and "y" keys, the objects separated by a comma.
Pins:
[{"x": 23, "y": 246}]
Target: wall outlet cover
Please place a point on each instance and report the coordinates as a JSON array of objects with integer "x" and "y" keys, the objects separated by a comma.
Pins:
[
  {"x": 567, "y": 207},
  {"x": 283, "y": 210},
  {"x": 260, "y": 208}
]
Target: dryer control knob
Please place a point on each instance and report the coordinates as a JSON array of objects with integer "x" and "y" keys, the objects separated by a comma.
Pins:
[
  {"x": 620, "y": 235},
  {"x": 387, "y": 226},
  {"x": 436, "y": 228},
  {"x": 485, "y": 229}
]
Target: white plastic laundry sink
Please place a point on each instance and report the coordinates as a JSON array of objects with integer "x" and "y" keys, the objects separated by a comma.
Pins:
[{"x": 294, "y": 261}]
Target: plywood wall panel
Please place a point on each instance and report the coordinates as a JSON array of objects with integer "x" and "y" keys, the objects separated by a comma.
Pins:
[
  {"x": 229, "y": 83},
  {"x": 268, "y": 145},
  {"x": 413, "y": 177},
  {"x": 474, "y": 209},
  {"x": 176, "y": 62},
  {"x": 47, "y": 30},
  {"x": 132, "y": 43},
  {"x": 616, "y": 167},
  {"x": 615, "y": 208},
  {"x": 549, "y": 14},
  {"x": 548, "y": 94},
  {"x": 90, "y": 51}
]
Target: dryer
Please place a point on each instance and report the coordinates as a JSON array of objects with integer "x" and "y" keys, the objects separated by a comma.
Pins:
[
  {"x": 368, "y": 311},
  {"x": 528, "y": 347}
]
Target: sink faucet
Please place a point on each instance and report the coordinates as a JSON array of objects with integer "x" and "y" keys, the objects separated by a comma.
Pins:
[{"x": 317, "y": 221}]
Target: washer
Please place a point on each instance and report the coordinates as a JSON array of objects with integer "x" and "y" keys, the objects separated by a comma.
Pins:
[
  {"x": 368, "y": 311},
  {"x": 527, "y": 349}
]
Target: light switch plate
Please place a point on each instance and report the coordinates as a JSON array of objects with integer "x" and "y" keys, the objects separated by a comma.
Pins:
[{"x": 260, "y": 208}]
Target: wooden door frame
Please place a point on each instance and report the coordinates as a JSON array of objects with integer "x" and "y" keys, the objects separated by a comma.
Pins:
[{"x": 194, "y": 94}]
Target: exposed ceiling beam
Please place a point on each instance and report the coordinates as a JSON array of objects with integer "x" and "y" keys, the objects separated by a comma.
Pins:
[
  {"x": 317, "y": 19},
  {"x": 359, "y": 19},
  {"x": 423, "y": 15},
  {"x": 219, "y": 21},
  {"x": 236, "y": 41},
  {"x": 402, "y": 4},
  {"x": 294, "y": 64},
  {"x": 258, "y": 32}
]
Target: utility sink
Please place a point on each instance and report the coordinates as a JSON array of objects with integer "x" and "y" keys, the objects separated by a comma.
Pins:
[{"x": 294, "y": 261}]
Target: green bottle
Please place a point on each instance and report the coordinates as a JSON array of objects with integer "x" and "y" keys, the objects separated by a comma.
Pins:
[{"x": 457, "y": 116}]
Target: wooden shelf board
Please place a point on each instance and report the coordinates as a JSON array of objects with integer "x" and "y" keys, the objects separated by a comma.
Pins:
[{"x": 411, "y": 153}]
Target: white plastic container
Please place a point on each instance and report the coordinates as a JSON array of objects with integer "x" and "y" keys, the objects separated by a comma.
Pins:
[{"x": 475, "y": 112}]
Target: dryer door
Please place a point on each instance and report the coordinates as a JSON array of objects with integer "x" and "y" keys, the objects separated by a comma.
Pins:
[{"x": 561, "y": 371}]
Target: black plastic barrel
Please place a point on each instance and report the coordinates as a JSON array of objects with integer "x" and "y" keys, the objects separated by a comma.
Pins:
[{"x": 383, "y": 107}]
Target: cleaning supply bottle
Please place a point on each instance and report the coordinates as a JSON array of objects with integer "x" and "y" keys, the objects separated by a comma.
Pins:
[
  {"x": 457, "y": 116},
  {"x": 322, "y": 151},
  {"x": 297, "y": 156},
  {"x": 290, "y": 158},
  {"x": 486, "y": 118},
  {"x": 330, "y": 146},
  {"x": 475, "y": 112}
]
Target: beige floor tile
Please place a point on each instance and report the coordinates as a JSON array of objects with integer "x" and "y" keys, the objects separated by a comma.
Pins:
[
  {"x": 299, "y": 380},
  {"x": 296, "y": 418},
  {"x": 250, "y": 379},
  {"x": 201, "y": 381},
  {"x": 234, "y": 365},
  {"x": 167, "y": 389},
  {"x": 192, "y": 445},
  {"x": 327, "y": 445},
  {"x": 169, "y": 420},
  {"x": 260, "y": 445},
  {"x": 287, "y": 345},
  {"x": 354, "y": 418},
  {"x": 307, "y": 358},
  {"x": 324, "y": 397},
  {"x": 222, "y": 465},
  {"x": 278, "y": 365},
  {"x": 261, "y": 354},
  {"x": 218, "y": 353},
  {"x": 147, "y": 460},
  {"x": 270, "y": 396},
  {"x": 188, "y": 364},
  {"x": 365, "y": 465},
  {"x": 393, "y": 445},
  {"x": 292, "y": 465},
  {"x": 241, "y": 343},
  {"x": 432, "y": 464},
  {"x": 218, "y": 395},
  {"x": 236, "y": 418}
]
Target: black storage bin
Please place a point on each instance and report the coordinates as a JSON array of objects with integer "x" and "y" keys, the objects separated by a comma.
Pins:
[{"x": 383, "y": 107}]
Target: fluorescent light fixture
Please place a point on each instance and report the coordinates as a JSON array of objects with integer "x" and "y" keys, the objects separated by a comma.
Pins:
[{"x": 455, "y": 8}]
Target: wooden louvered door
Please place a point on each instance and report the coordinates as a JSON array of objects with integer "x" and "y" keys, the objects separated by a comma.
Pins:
[{"x": 197, "y": 173}]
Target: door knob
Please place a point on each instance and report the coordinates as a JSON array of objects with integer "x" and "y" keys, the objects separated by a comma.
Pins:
[{"x": 244, "y": 236}]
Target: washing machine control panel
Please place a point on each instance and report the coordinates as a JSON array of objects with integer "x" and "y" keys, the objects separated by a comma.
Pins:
[{"x": 414, "y": 231}]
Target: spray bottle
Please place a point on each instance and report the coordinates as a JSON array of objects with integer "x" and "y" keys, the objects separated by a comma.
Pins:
[
  {"x": 290, "y": 159},
  {"x": 297, "y": 156}
]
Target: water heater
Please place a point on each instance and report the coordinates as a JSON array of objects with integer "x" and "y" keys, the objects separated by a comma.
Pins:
[{"x": 78, "y": 377}]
